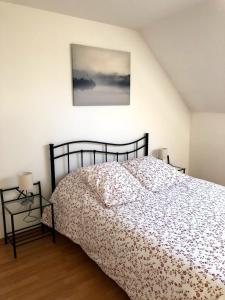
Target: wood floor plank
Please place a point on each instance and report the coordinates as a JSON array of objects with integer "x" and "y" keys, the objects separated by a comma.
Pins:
[{"x": 60, "y": 271}]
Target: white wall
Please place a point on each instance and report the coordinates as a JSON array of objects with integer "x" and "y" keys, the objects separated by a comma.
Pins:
[
  {"x": 36, "y": 100},
  {"x": 190, "y": 46},
  {"x": 207, "y": 147}
]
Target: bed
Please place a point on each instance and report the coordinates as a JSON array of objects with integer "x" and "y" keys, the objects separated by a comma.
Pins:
[{"x": 158, "y": 233}]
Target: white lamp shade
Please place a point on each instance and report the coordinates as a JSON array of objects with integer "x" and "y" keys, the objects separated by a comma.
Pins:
[
  {"x": 25, "y": 181},
  {"x": 163, "y": 152}
]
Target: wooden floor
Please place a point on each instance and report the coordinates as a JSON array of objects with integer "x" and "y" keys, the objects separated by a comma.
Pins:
[{"x": 44, "y": 270}]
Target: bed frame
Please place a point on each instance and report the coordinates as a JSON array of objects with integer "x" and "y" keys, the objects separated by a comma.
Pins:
[{"x": 67, "y": 152}]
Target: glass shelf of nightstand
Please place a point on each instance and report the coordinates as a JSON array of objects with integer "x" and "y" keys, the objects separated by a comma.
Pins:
[{"x": 22, "y": 205}]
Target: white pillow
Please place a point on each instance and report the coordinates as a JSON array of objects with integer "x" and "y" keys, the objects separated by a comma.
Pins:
[
  {"x": 154, "y": 174},
  {"x": 112, "y": 183}
]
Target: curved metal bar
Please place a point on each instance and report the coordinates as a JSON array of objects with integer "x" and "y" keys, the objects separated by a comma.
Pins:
[
  {"x": 99, "y": 151},
  {"x": 97, "y": 142}
]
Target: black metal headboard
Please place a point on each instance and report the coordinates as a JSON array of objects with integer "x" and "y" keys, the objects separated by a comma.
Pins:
[{"x": 106, "y": 152}]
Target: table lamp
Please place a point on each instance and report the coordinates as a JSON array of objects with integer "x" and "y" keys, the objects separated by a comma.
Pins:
[
  {"x": 25, "y": 181},
  {"x": 163, "y": 154}
]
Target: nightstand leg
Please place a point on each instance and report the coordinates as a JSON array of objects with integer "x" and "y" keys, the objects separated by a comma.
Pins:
[
  {"x": 41, "y": 208},
  {"x": 13, "y": 236},
  {"x": 3, "y": 215},
  {"x": 53, "y": 224},
  {"x": 5, "y": 232}
]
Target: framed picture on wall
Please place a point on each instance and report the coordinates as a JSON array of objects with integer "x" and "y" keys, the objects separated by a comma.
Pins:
[{"x": 100, "y": 76}]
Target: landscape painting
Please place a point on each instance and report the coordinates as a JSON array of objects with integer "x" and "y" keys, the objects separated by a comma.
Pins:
[{"x": 100, "y": 76}]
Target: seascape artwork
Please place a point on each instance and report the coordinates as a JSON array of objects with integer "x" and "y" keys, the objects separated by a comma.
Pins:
[{"x": 100, "y": 76}]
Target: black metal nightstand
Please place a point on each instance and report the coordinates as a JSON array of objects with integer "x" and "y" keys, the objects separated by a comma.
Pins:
[
  {"x": 180, "y": 169},
  {"x": 30, "y": 211}
]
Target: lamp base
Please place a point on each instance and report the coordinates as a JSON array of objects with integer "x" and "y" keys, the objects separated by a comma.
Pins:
[{"x": 28, "y": 200}]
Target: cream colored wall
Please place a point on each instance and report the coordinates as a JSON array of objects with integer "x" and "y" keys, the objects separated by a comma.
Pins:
[
  {"x": 36, "y": 100},
  {"x": 207, "y": 147},
  {"x": 190, "y": 46}
]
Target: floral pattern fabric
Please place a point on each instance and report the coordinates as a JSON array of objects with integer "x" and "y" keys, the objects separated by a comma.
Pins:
[
  {"x": 105, "y": 180},
  {"x": 153, "y": 173},
  {"x": 168, "y": 245}
]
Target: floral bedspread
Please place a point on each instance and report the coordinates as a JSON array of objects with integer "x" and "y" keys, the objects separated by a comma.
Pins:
[{"x": 167, "y": 245}]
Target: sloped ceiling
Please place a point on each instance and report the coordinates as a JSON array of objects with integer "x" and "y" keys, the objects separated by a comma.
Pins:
[
  {"x": 191, "y": 48},
  {"x": 129, "y": 13},
  {"x": 186, "y": 36}
]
